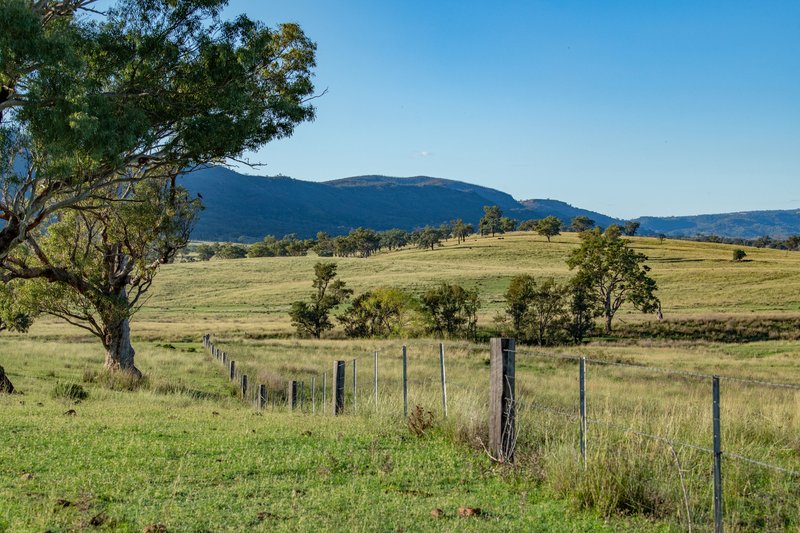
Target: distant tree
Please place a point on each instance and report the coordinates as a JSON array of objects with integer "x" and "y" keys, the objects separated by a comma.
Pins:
[
  {"x": 378, "y": 313},
  {"x": 583, "y": 307},
  {"x": 231, "y": 251},
  {"x": 469, "y": 229},
  {"x": 581, "y": 223},
  {"x": 323, "y": 246},
  {"x": 614, "y": 273},
  {"x": 739, "y": 254},
  {"x": 490, "y": 222},
  {"x": 451, "y": 310},
  {"x": 528, "y": 225},
  {"x": 793, "y": 242},
  {"x": 549, "y": 226},
  {"x": 613, "y": 232},
  {"x": 393, "y": 239},
  {"x": 445, "y": 230},
  {"x": 630, "y": 228},
  {"x": 508, "y": 224},
  {"x": 460, "y": 230},
  {"x": 547, "y": 313},
  {"x": 518, "y": 300},
  {"x": 429, "y": 238},
  {"x": 205, "y": 252},
  {"x": 661, "y": 238},
  {"x": 364, "y": 241},
  {"x": 313, "y": 318}
]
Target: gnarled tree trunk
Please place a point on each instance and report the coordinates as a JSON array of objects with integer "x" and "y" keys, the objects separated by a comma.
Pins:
[
  {"x": 5, "y": 384},
  {"x": 119, "y": 350}
]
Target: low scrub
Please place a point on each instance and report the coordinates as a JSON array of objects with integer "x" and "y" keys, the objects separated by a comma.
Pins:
[
  {"x": 716, "y": 330},
  {"x": 72, "y": 392}
]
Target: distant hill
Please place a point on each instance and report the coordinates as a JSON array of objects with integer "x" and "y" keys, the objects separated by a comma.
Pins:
[
  {"x": 542, "y": 208},
  {"x": 245, "y": 208},
  {"x": 746, "y": 225}
]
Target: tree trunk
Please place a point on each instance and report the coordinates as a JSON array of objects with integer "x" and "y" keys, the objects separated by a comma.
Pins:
[
  {"x": 5, "y": 384},
  {"x": 608, "y": 323},
  {"x": 119, "y": 351}
]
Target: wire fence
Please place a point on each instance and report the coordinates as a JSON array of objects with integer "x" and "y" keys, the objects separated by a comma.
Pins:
[{"x": 337, "y": 391}]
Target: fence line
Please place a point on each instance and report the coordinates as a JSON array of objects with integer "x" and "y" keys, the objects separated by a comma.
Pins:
[{"x": 503, "y": 403}]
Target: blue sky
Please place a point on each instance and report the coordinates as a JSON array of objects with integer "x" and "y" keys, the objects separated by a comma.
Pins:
[{"x": 625, "y": 107}]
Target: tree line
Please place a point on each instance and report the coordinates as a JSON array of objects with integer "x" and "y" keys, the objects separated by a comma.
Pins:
[
  {"x": 608, "y": 274},
  {"x": 364, "y": 242}
]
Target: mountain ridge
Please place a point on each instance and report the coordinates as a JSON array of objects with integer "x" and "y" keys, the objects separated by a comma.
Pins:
[{"x": 245, "y": 208}]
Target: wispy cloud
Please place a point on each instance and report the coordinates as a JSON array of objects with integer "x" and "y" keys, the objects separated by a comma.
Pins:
[{"x": 424, "y": 153}]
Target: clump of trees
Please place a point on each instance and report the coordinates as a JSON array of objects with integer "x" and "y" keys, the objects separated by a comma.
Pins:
[{"x": 451, "y": 311}]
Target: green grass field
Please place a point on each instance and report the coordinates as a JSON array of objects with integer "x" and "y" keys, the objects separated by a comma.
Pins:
[{"x": 162, "y": 455}]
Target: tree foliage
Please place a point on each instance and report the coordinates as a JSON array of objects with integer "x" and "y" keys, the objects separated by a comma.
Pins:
[
  {"x": 549, "y": 226},
  {"x": 613, "y": 273},
  {"x": 490, "y": 221},
  {"x": 382, "y": 312},
  {"x": 581, "y": 223},
  {"x": 313, "y": 318},
  {"x": 451, "y": 310}
]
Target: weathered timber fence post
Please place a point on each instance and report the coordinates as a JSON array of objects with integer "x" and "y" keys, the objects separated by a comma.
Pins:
[
  {"x": 405, "y": 382},
  {"x": 502, "y": 407},
  {"x": 244, "y": 386},
  {"x": 224, "y": 359},
  {"x": 233, "y": 369},
  {"x": 718, "y": 507},
  {"x": 582, "y": 399},
  {"x": 376, "y": 381},
  {"x": 354, "y": 385},
  {"x": 444, "y": 379},
  {"x": 291, "y": 395},
  {"x": 262, "y": 396},
  {"x": 338, "y": 387}
]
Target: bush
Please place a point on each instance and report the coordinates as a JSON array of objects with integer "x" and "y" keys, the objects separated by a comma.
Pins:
[
  {"x": 739, "y": 254},
  {"x": 70, "y": 391}
]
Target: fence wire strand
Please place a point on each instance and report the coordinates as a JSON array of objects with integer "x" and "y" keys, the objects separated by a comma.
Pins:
[{"x": 669, "y": 371}]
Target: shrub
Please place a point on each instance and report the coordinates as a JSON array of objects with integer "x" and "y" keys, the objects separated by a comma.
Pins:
[
  {"x": 739, "y": 254},
  {"x": 70, "y": 391}
]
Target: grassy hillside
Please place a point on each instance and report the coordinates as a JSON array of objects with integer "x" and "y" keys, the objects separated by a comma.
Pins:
[{"x": 696, "y": 280}]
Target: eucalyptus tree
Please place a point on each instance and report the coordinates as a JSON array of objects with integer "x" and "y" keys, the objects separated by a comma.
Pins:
[
  {"x": 110, "y": 109},
  {"x": 613, "y": 273},
  {"x": 93, "y": 266}
]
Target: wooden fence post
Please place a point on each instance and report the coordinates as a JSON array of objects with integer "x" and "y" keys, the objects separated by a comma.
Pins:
[
  {"x": 338, "y": 387},
  {"x": 262, "y": 396},
  {"x": 233, "y": 369},
  {"x": 291, "y": 395},
  {"x": 244, "y": 386},
  {"x": 502, "y": 408}
]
